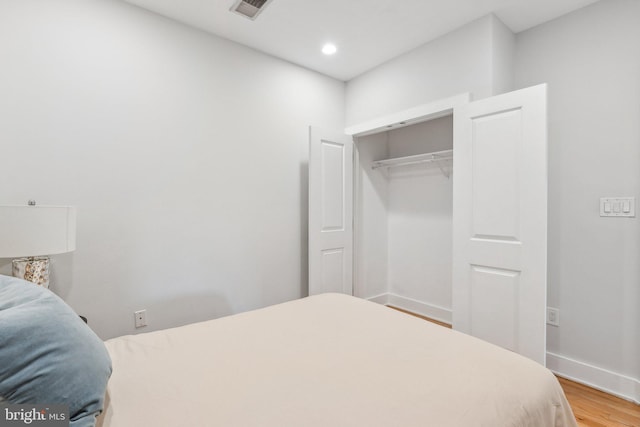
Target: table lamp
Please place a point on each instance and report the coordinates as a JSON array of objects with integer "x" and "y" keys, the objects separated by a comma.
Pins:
[{"x": 31, "y": 233}]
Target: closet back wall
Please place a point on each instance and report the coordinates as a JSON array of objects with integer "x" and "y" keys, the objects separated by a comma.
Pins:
[
  {"x": 184, "y": 153},
  {"x": 421, "y": 220}
]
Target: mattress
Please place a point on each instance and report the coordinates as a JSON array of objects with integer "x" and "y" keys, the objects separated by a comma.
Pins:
[{"x": 329, "y": 360}]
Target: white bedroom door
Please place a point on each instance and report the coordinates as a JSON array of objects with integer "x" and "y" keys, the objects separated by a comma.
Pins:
[
  {"x": 500, "y": 221},
  {"x": 330, "y": 212}
]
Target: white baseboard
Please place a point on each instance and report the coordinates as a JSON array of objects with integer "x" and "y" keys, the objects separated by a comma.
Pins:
[
  {"x": 623, "y": 386},
  {"x": 380, "y": 299},
  {"x": 428, "y": 310},
  {"x": 602, "y": 379}
]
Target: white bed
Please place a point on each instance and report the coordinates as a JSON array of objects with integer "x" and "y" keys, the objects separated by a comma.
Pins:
[{"x": 329, "y": 360}]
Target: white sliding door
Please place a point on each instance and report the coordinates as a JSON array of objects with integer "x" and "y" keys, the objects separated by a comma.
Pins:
[
  {"x": 500, "y": 220},
  {"x": 330, "y": 212}
]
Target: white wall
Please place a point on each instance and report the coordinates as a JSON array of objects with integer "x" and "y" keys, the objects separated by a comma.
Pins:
[
  {"x": 503, "y": 51},
  {"x": 184, "y": 153},
  {"x": 591, "y": 61},
  {"x": 476, "y": 58}
]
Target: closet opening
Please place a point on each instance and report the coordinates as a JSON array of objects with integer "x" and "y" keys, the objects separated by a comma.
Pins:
[{"x": 403, "y": 216}]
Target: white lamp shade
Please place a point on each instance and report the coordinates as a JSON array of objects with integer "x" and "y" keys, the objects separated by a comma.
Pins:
[{"x": 27, "y": 231}]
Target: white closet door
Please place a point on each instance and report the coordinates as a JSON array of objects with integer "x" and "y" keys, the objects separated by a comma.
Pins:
[
  {"x": 330, "y": 212},
  {"x": 500, "y": 220}
]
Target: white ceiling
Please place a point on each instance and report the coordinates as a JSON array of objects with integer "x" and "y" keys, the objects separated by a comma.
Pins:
[{"x": 367, "y": 32}]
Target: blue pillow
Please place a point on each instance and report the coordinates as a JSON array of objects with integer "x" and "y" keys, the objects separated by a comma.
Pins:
[{"x": 48, "y": 355}]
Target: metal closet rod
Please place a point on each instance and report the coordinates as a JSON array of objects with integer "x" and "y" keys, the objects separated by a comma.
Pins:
[{"x": 412, "y": 160}]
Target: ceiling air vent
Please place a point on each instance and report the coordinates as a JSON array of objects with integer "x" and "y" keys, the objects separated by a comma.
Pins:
[{"x": 249, "y": 8}]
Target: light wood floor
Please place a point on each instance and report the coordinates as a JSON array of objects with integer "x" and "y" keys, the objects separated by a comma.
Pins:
[{"x": 592, "y": 408}]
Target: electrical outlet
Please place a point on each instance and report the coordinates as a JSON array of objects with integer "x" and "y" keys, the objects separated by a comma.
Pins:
[
  {"x": 553, "y": 316},
  {"x": 141, "y": 318}
]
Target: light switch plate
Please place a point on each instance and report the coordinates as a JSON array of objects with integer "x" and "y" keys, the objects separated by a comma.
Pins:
[{"x": 618, "y": 206}]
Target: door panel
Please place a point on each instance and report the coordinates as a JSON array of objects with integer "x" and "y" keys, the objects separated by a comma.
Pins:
[
  {"x": 491, "y": 287},
  {"x": 333, "y": 269},
  {"x": 500, "y": 221},
  {"x": 330, "y": 212},
  {"x": 495, "y": 172},
  {"x": 332, "y": 185}
]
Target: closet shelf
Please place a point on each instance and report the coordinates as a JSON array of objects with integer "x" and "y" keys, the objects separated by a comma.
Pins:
[{"x": 436, "y": 156}]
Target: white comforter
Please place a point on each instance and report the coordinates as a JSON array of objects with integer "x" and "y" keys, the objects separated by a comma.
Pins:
[{"x": 326, "y": 361}]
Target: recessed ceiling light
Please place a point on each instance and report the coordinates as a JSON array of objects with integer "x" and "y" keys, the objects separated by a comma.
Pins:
[{"x": 329, "y": 49}]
